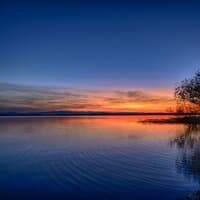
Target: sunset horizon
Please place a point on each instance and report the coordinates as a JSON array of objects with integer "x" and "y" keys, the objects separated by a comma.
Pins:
[{"x": 22, "y": 98}]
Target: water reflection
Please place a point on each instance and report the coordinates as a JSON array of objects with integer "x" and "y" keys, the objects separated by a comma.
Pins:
[
  {"x": 90, "y": 158},
  {"x": 188, "y": 143}
]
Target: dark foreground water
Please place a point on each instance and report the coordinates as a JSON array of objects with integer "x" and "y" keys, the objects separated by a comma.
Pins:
[{"x": 97, "y": 158}]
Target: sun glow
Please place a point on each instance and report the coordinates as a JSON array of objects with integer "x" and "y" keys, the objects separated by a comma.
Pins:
[{"x": 66, "y": 99}]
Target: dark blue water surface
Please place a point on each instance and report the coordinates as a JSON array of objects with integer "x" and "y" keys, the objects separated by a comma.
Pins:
[{"x": 97, "y": 158}]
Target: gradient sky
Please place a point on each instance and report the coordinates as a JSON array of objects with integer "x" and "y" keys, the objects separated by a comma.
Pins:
[{"x": 99, "y": 46}]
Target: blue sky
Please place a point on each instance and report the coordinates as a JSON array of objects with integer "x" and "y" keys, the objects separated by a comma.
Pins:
[
  {"x": 99, "y": 44},
  {"x": 109, "y": 48}
]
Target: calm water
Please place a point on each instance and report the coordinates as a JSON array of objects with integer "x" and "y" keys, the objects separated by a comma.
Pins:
[{"x": 97, "y": 158}]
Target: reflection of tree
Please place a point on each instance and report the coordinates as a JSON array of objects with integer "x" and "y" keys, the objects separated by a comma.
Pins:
[{"x": 188, "y": 142}]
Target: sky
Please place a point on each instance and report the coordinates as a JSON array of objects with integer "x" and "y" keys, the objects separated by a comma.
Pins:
[{"x": 96, "y": 55}]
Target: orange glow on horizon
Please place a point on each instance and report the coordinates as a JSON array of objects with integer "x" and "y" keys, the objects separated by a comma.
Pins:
[{"x": 66, "y": 99}]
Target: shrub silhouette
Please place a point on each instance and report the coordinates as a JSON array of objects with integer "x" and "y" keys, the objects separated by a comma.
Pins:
[{"x": 188, "y": 91}]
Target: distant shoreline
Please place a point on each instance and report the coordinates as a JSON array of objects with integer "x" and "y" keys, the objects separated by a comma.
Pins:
[{"x": 74, "y": 113}]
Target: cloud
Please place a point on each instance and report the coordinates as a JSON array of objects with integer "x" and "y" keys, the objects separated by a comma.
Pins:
[
  {"x": 35, "y": 98},
  {"x": 136, "y": 96}
]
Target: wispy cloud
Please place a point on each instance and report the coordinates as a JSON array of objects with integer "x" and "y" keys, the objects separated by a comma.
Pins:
[{"x": 34, "y": 98}]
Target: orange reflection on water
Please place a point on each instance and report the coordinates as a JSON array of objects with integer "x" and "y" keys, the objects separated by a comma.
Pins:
[{"x": 92, "y": 126}]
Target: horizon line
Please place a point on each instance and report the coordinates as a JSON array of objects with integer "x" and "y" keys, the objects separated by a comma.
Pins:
[{"x": 87, "y": 113}]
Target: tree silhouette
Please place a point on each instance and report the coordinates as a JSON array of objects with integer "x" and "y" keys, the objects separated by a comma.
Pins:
[{"x": 188, "y": 91}]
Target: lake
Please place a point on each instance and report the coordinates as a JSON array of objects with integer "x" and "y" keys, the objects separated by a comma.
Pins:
[{"x": 97, "y": 157}]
